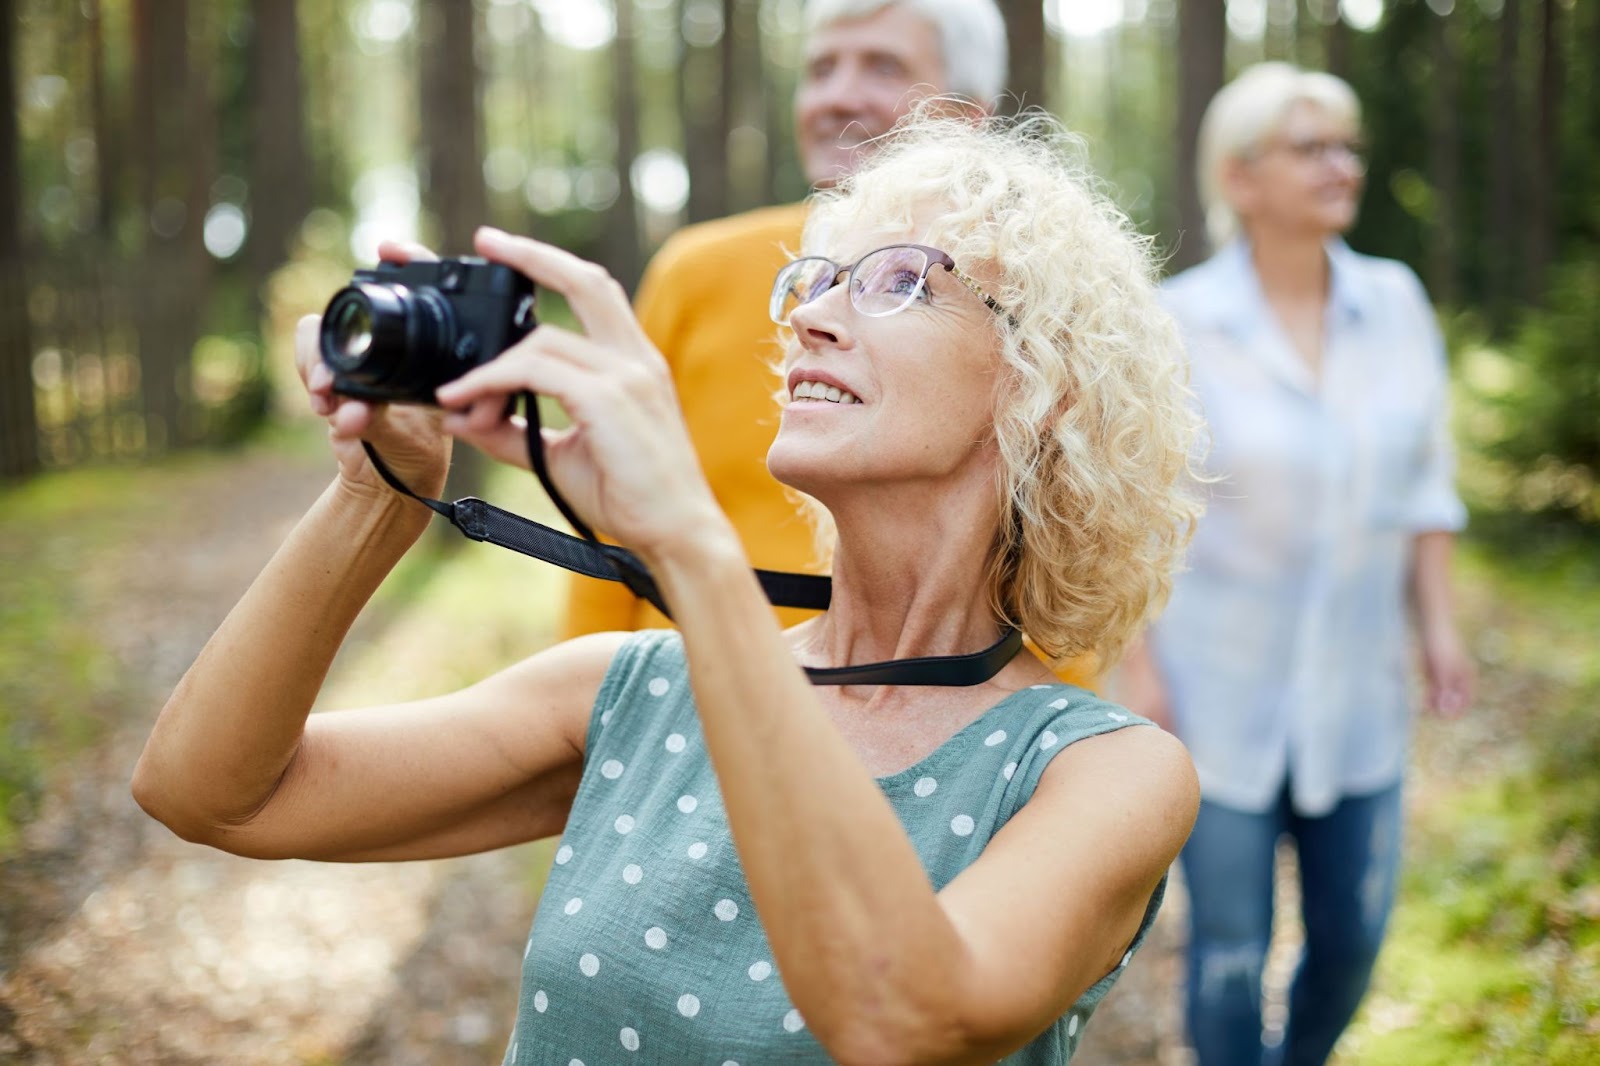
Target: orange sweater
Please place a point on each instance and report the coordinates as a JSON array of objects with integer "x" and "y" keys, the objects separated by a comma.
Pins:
[{"x": 703, "y": 303}]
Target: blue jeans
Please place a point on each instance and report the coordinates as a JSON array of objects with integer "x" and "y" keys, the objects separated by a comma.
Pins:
[{"x": 1349, "y": 859}]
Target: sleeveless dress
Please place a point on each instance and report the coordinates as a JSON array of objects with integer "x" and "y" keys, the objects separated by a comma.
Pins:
[{"x": 646, "y": 947}]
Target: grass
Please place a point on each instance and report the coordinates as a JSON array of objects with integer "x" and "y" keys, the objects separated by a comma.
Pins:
[{"x": 1494, "y": 951}]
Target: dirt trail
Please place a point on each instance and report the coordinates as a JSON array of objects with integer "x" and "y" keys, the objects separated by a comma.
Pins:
[{"x": 121, "y": 944}]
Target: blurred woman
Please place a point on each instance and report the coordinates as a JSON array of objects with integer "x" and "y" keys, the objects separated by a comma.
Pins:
[
  {"x": 983, "y": 392},
  {"x": 1283, "y": 660}
]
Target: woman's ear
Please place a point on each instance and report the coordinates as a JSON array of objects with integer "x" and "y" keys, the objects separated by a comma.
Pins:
[{"x": 1240, "y": 186}]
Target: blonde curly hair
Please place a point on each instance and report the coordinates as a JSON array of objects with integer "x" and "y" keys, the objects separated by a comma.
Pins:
[{"x": 1094, "y": 422}]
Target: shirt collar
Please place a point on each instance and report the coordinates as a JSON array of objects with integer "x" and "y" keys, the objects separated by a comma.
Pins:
[{"x": 1237, "y": 303}]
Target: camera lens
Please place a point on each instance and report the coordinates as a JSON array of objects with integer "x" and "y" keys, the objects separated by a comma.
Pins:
[
  {"x": 375, "y": 332},
  {"x": 351, "y": 329}
]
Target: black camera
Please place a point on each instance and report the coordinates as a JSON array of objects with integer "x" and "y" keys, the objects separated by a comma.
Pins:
[{"x": 398, "y": 332}]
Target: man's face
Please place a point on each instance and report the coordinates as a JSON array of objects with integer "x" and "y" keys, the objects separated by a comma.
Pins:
[{"x": 860, "y": 77}]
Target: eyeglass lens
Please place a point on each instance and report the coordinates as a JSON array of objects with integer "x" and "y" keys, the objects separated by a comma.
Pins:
[{"x": 883, "y": 282}]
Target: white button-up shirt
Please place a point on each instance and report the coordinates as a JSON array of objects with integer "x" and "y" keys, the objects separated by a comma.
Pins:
[{"x": 1285, "y": 647}]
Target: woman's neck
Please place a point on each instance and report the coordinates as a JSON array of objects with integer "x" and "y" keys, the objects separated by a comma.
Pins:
[
  {"x": 907, "y": 581},
  {"x": 1295, "y": 278}
]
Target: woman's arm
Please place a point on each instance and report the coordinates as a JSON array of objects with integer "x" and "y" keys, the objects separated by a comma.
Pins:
[
  {"x": 882, "y": 969},
  {"x": 233, "y": 760},
  {"x": 1447, "y": 667}
]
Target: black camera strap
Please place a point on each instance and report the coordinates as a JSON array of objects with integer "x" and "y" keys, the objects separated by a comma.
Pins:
[{"x": 588, "y": 555}]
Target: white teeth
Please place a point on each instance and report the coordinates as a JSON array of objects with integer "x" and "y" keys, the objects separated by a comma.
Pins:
[{"x": 816, "y": 390}]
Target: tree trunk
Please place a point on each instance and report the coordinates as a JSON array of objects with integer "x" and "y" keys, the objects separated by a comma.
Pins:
[
  {"x": 1202, "y": 40},
  {"x": 280, "y": 170},
  {"x": 1545, "y": 184},
  {"x": 1026, "y": 38},
  {"x": 1336, "y": 45},
  {"x": 1444, "y": 157},
  {"x": 453, "y": 190},
  {"x": 452, "y": 141},
  {"x": 705, "y": 142},
  {"x": 19, "y": 431},
  {"x": 1504, "y": 170},
  {"x": 106, "y": 154},
  {"x": 622, "y": 224},
  {"x": 175, "y": 143}
]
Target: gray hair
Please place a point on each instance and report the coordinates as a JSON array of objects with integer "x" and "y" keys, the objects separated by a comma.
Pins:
[
  {"x": 972, "y": 36},
  {"x": 1244, "y": 113}
]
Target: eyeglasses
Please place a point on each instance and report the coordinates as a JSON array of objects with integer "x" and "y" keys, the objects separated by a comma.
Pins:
[
  {"x": 883, "y": 282},
  {"x": 1315, "y": 150}
]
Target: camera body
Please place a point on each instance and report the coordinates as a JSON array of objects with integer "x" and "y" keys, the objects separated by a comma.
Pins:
[{"x": 399, "y": 331}]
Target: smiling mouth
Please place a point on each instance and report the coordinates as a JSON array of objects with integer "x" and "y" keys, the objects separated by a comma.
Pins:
[{"x": 817, "y": 392}]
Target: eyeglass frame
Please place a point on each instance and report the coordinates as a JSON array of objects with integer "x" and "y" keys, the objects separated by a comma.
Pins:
[
  {"x": 934, "y": 256},
  {"x": 1321, "y": 151}
]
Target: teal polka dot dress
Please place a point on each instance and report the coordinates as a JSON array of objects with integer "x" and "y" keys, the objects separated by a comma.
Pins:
[{"x": 646, "y": 947}]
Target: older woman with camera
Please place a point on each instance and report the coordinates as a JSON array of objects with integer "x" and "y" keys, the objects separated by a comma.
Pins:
[{"x": 982, "y": 397}]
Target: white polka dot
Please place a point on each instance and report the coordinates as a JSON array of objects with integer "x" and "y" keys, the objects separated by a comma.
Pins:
[
  {"x": 688, "y": 1005},
  {"x": 513, "y": 1056},
  {"x": 611, "y": 769},
  {"x": 1038, "y": 686},
  {"x": 697, "y": 850},
  {"x": 575, "y": 1062},
  {"x": 630, "y": 1039},
  {"x": 1126, "y": 958},
  {"x": 961, "y": 825},
  {"x": 1115, "y": 717},
  {"x": 541, "y": 1002},
  {"x": 659, "y": 686},
  {"x": 997, "y": 737},
  {"x": 1010, "y": 769},
  {"x": 1048, "y": 740},
  {"x": 760, "y": 971},
  {"x": 726, "y": 909},
  {"x": 624, "y": 823},
  {"x": 925, "y": 787},
  {"x": 574, "y": 905},
  {"x": 1058, "y": 705},
  {"x": 687, "y": 804},
  {"x": 527, "y": 949},
  {"x": 1072, "y": 1025},
  {"x": 632, "y": 873},
  {"x": 792, "y": 1022},
  {"x": 730, "y": 1062},
  {"x": 590, "y": 965},
  {"x": 655, "y": 938},
  {"x": 676, "y": 743},
  {"x": 563, "y": 855},
  {"x": 605, "y": 718}
]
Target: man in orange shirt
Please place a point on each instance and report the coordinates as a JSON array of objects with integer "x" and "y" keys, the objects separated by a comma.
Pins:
[{"x": 703, "y": 299}]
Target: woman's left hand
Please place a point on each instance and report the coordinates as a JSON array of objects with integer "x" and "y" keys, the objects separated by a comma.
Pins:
[
  {"x": 1449, "y": 671},
  {"x": 626, "y": 463}
]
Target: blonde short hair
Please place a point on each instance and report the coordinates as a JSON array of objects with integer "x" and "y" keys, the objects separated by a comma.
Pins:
[
  {"x": 1093, "y": 421},
  {"x": 1244, "y": 114}
]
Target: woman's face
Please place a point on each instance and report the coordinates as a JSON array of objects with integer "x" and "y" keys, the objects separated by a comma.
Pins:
[
  {"x": 916, "y": 389},
  {"x": 1305, "y": 179}
]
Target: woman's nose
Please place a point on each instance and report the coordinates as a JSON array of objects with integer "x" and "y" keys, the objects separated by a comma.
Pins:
[{"x": 821, "y": 322}]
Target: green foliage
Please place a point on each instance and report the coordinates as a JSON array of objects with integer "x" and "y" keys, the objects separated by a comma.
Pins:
[
  {"x": 1494, "y": 952},
  {"x": 55, "y": 676},
  {"x": 1530, "y": 406}
]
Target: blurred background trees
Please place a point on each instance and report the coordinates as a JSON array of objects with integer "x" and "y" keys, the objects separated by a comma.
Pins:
[{"x": 179, "y": 181}]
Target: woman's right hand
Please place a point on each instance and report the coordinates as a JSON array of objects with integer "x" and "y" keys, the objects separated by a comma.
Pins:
[{"x": 407, "y": 436}]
